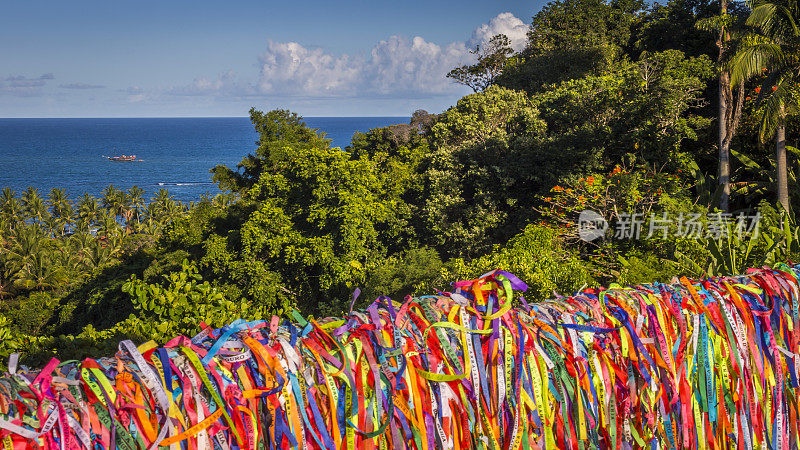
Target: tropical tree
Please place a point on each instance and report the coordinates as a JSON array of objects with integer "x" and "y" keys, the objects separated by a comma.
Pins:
[
  {"x": 96, "y": 255},
  {"x": 729, "y": 100},
  {"x": 109, "y": 227},
  {"x": 569, "y": 39},
  {"x": 149, "y": 226},
  {"x": 33, "y": 207},
  {"x": 88, "y": 212},
  {"x": 136, "y": 200},
  {"x": 113, "y": 200},
  {"x": 161, "y": 205},
  {"x": 60, "y": 209},
  {"x": 79, "y": 242},
  {"x": 40, "y": 273},
  {"x": 774, "y": 49},
  {"x": 10, "y": 206},
  {"x": 491, "y": 61},
  {"x": 25, "y": 244}
]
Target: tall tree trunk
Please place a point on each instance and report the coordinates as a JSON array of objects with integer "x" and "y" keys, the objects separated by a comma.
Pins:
[
  {"x": 780, "y": 158},
  {"x": 727, "y": 124},
  {"x": 724, "y": 142}
]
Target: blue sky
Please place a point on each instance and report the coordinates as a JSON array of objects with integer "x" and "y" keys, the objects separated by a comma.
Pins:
[{"x": 204, "y": 58}]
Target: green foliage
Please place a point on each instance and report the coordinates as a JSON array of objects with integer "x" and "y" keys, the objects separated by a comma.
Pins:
[
  {"x": 181, "y": 303},
  {"x": 10, "y": 340},
  {"x": 640, "y": 113},
  {"x": 754, "y": 178},
  {"x": 773, "y": 239},
  {"x": 570, "y": 39},
  {"x": 671, "y": 25},
  {"x": 62, "y": 263},
  {"x": 578, "y": 24},
  {"x": 479, "y": 172},
  {"x": 310, "y": 219},
  {"x": 280, "y": 132},
  {"x": 411, "y": 272},
  {"x": 532, "y": 73},
  {"x": 30, "y": 314},
  {"x": 640, "y": 266},
  {"x": 537, "y": 256},
  {"x": 620, "y": 191},
  {"x": 645, "y": 256},
  {"x": 772, "y": 47},
  {"x": 491, "y": 62},
  {"x": 608, "y": 108}
]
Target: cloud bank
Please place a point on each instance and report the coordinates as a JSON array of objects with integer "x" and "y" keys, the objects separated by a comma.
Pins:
[
  {"x": 394, "y": 74},
  {"x": 397, "y": 67},
  {"x": 22, "y": 86},
  {"x": 80, "y": 86}
]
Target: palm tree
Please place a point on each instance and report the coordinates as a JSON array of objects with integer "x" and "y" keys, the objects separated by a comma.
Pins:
[
  {"x": 163, "y": 204},
  {"x": 730, "y": 109},
  {"x": 79, "y": 242},
  {"x": 150, "y": 226},
  {"x": 10, "y": 206},
  {"x": 88, "y": 212},
  {"x": 135, "y": 195},
  {"x": 33, "y": 206},
  {"x": 776, "y": 48},
  {"x": 40, "y": 273},
  {"x": 113, "y": 200},
  {"x": 61, "y": 209},
  {"x": 97, "y": 255},
  {"x": 109, "y": 227},
  {"x": 24, "y": 245}
]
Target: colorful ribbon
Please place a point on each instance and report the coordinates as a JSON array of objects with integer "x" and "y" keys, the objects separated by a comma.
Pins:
[{"x": 696, "y": 364}]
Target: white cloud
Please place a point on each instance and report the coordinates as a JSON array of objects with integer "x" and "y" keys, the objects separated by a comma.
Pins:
[
  {"x": 401, "y": 67},
  {"x": 394, "y": 67},
  {"x": 288, "y": 68},
  {"x": 397, "y": 67},
  {"x": 504, "y": 23}
]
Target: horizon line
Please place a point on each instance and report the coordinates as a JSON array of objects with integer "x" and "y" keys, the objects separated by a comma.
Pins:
[{"x": 188, "y": 117}]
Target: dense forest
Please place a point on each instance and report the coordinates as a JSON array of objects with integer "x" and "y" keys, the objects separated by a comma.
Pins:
[{"x": 683, "y": 109}]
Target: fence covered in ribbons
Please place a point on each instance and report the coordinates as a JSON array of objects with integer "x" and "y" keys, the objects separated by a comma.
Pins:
[{"x": 693, "y": 364}]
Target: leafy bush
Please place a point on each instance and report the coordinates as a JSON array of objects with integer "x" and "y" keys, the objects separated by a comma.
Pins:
[
  {"x": 536, "y": 256},
  {"x": 181, "y": 304}
]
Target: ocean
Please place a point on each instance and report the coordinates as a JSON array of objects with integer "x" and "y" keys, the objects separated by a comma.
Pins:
[{"x": 176, "y": 153}]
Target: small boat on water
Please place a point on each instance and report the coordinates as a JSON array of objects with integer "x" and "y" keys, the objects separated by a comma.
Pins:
[{"x": 122, "y": 158}]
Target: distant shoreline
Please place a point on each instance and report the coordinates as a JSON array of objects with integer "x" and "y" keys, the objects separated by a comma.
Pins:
[{"x": 196, "y": 117}]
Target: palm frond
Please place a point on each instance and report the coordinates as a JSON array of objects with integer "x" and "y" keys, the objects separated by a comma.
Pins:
[
  {"x": 763, "y": 16},
  {"x": 746, "y": 161},
  {"x": 774, "y": 112},
  {"x": 750, "y": 61}
]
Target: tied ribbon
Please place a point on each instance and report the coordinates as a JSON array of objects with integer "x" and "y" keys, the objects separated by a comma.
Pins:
[{"x": 704, "y": 364}]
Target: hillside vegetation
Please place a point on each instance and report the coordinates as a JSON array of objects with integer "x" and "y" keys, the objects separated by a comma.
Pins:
[{"x": 616, "y": 107}]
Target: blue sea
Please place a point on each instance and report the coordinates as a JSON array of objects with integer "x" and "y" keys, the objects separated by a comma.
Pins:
[{"x": 176, "y": 153}]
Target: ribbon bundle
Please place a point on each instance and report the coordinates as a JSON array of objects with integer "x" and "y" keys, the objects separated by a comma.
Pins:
[{"x": 692, "y": 364}]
